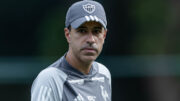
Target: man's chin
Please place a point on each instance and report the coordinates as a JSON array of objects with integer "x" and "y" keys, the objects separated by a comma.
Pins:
[{"x": 88, "y": 59}]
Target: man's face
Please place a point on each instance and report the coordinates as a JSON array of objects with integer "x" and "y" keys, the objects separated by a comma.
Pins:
[{"x": 86, "y": 41}]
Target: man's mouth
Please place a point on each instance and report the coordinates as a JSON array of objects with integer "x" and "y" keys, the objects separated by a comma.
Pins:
[{"x": 89, "y": 50}]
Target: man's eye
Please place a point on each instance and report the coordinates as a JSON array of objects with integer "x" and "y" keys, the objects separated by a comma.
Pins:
[
  {"x": 82, "y": 31},
  {"x": 97, "y": 31}
]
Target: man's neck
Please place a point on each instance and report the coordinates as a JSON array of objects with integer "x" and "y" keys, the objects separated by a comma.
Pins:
[{"x": 77, "y": 64}]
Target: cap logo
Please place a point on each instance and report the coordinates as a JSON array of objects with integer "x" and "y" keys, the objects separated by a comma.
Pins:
[{"x": 89, "y": 8}]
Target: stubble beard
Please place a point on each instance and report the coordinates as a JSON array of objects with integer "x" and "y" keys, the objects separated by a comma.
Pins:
[{"x": 85, "y": 57}]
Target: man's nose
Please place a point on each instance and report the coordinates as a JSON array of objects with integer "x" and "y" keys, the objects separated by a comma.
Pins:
[{"x": 90, "y": 38}]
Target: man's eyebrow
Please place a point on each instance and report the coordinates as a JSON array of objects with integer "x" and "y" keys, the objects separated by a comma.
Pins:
[
  {"x": 99, "y": 27},
  {"x": 81, "y": 27}
]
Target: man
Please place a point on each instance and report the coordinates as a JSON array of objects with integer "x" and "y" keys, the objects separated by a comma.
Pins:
[{"x": 76, "y": 76}]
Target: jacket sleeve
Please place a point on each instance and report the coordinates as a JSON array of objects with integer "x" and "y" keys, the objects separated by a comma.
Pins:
[
  {"x": 42, "y": 93},
  {"x": 42, "y": 89},
  {"x": 48, "y": 86}
]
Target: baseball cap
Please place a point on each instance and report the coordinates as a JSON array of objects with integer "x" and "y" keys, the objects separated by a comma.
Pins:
[{"x": 85, "y": 11}]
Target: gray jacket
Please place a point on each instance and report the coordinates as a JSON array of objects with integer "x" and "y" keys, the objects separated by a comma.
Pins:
[{"x": 61, "y": 82}]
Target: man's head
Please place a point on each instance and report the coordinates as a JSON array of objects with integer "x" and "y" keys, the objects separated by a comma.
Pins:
[
  {"x": 84, "y": 11},
  {"x": 85, "y": 30}
]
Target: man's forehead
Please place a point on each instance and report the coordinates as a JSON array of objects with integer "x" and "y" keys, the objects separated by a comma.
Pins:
[{"x": 91, "y": 24}]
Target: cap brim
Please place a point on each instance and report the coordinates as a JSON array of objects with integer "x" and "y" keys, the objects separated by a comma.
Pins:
[{"x": 78, "y": 22}]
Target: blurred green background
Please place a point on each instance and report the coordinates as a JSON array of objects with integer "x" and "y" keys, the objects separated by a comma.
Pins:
[{"x": 141, "y": 50}]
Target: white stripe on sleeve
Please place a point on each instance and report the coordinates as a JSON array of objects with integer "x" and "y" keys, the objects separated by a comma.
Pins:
[
  {"x": 40, "y": 93},
  {"x": 44, "y": 94},
  {"x": 48, "y": 95}
]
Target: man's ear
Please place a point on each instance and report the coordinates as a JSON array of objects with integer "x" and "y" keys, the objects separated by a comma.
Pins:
[
  {"x": 67, "y": 34},
  {"x": 105, "y": 32}
]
